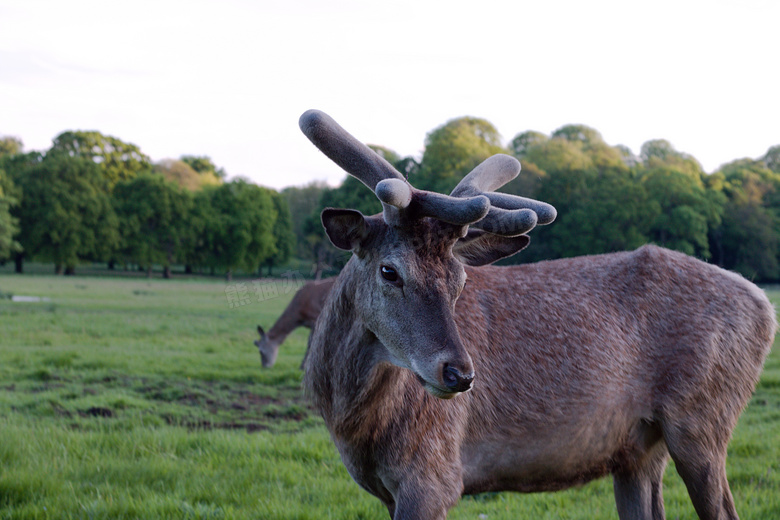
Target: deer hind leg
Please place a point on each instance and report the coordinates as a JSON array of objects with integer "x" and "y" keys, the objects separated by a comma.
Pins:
[
  {"x": 638, "y": 492},
  {"x": 700, "y": 459}
]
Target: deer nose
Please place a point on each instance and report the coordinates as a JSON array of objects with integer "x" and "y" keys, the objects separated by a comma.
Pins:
[{"x": 455, "y": 380}]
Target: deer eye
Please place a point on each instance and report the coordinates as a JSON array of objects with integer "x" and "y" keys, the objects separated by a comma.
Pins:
[{"x": 389, "y": 274}]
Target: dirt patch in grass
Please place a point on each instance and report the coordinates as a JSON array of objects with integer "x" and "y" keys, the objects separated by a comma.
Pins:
[{"x": 189, "y": 403}]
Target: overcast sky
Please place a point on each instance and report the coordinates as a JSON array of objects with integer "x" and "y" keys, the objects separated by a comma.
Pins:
[{"x": 229, "y": 79}]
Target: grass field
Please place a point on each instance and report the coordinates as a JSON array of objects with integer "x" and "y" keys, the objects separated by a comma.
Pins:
[{"x": 135, "y": 398}]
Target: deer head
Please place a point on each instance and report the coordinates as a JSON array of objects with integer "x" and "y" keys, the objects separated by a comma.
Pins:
[
  {"x": 268, "y": 349},
  {"x": 408, "y": 262}
]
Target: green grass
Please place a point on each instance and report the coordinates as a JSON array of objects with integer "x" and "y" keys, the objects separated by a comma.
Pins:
[{"x": 135, "y": 398}]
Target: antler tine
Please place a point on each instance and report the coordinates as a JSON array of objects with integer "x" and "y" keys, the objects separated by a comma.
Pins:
[
  {"x": 460, "y": 211},
  {"x": 341, "y": 147},
  {"x": 489, "y": 175},
  {"x": 509, "y": 215},
  {"x": 400, "y": 200}
]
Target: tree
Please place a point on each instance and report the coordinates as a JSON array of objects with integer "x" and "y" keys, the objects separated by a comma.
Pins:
[
  {"x": 17, "y": 168},
  {"x": 660, "y": 152},
  {"x": 9, "y": 225},
  {"x": 557, "y": 155},
  {"x": 117, "y": 160},
  {"x": 154, "y": 214},
  {"x": 303, "y": 201},
  {"x": 579, "y": 134},
  {"x": 748, "y": 239},
  {"x": 453, "y": 150},
  {"x": 687, "y": 210},
  {"x": 10, "y": 145},
  {"x": 525, "y": 141},
  {"x": 284, "y": 238},
  {"x": 180, "y": 173},
  {"x": 238, "y": 227},
  {"x": 771, "y": 159},
  {"x": 601, "y": 206},
  {"x": 65, "y": 212},
  {"x": 204, "y": 166}
]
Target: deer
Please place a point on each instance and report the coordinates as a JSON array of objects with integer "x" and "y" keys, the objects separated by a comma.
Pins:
[
  {"x": 440, "y": 375},
  {"x": 302, "y": 311}
]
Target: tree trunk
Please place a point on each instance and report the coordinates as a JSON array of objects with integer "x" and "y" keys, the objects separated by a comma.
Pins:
[
  {"x": 149, "y": 271},
  {"x": 57, "y": 268},
  {"x": 167, "y": 271},
  {"x": 70, "y": 270},
  {"x": 111, "y": 265},
  {"x": 188, "y": 269},
  {"x": 19, "y": 262},
  {"x": 229, "y": 275}
]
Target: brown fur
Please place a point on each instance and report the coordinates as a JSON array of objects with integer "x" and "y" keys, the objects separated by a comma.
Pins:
[
  {"x": 302, "y": 311},
  {"x": 584, "y": 367},
  {"x": 573, "y": 369}
]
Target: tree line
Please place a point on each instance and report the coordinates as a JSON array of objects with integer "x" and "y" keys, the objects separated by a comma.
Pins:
[
  {"x": 92, "y": 197},
  {"x": 608, "y": 199}
]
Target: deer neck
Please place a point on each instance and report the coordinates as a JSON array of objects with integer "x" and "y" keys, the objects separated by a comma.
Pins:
[
  {"x": 371, "y": 389},
  {"x": 287, "y": 322}
]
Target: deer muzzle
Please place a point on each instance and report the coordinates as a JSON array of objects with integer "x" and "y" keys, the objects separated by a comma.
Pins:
[{"x": 456, "y": 380}]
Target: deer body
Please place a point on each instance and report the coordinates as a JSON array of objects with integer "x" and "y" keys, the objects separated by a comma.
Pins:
[
  {"x": 302, "y": 311},
  {"x": 631, "y": 349},
  {"x": 439, "y": 375}
]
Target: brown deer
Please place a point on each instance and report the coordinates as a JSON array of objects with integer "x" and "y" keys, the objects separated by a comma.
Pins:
[
  {"x": 302, "y": 311},
  {"x": 439, "y": 375}
]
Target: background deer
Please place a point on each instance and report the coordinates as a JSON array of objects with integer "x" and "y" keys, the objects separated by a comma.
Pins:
[
  {"x": 302, "y": 311},
  {"x": 439, "y": 375}
]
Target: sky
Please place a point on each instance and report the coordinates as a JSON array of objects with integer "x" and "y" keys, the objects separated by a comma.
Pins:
[{"x": 230, "y": 79}]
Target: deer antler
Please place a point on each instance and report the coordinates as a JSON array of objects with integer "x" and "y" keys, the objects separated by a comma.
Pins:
[
  {"x": 391, "y": 188},
  {"x": 509, "y": 215},
  {"x": 354, "y": 157},
  {"x": 472, "y": 202}
]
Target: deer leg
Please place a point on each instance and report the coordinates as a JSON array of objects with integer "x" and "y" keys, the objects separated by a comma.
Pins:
[
  {"x": 638, "y": 493},
  {"x": 702, "y": 466},
  {"x": 420, "y": 502}
]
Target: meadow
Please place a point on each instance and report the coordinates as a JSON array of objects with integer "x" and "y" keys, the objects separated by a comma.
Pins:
[{"x": 138, "y": 398}]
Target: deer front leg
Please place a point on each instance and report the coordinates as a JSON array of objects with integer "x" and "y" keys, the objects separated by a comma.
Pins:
[{"x": 418, "y": 499}]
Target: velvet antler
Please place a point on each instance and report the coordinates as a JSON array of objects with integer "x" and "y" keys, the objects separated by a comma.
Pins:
[
  {"x": 509, "y": 215},
  {"x": 472, "y": 202}
]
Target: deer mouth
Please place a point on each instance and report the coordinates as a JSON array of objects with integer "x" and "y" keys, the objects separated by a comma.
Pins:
[{"x": 436, "y": 390}]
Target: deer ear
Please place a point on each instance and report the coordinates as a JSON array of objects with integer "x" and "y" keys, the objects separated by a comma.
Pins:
[
  {"x": 480, "y": 248},
  {"x": 346, "y": 228}
]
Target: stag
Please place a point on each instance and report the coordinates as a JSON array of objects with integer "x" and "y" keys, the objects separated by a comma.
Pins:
[
  {"x": 439, "y": 375},
  {"x": 302, "y": 311}
]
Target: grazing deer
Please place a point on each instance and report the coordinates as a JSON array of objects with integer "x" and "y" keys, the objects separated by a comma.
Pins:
[
  {"x": 439, "y": 375},
  {"x": 302, "y": 311}
]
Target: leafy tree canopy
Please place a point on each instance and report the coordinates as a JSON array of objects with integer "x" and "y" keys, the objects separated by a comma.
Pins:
[
  {"x": 117, "y": 160},
  {"x": 10, "y": 145},
  {"x": 525, "y": 141},
  {"x": 284, "y": 239},
  {"x": 9, "y": 225},
  {"x": 66, "y": 215},
  {"x": 205, "y": 167},
  {"x": 453, "y": 150},
  {"x": 660, "y": 152},
  {"x": 154, "y": 214},
  {"x": 182, "y": 174},
  {"x": 241, "y": 234},
  {"x": 772, "y": 159}
]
